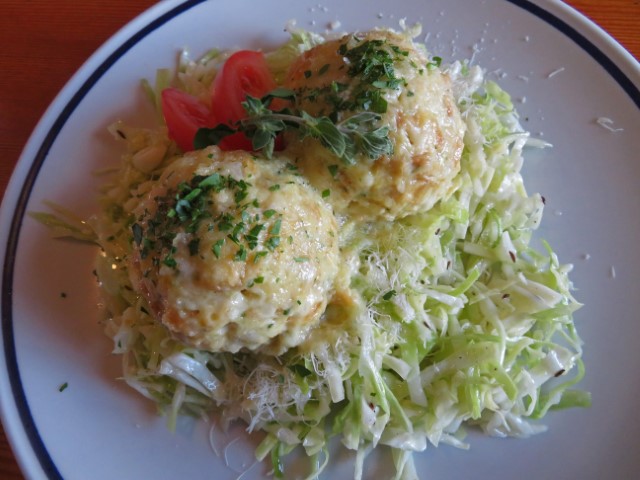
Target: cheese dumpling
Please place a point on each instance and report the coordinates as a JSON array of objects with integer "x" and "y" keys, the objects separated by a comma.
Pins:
[
  {"x": 385, "y": 73},
  {"x": 234, "y": 252}
]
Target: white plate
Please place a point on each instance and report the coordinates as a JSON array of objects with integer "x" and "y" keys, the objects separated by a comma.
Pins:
[{"x": 564, "y": 72}]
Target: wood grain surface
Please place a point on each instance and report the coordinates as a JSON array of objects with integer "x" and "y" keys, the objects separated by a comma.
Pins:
[{"x": 44, "y": 42}]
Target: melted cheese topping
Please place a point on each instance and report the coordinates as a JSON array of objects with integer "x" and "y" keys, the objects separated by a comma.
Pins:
[
  {"x": 263, "y": 289},
  {"x": 251, "y": 259},
  {"x": 424, "y": 124}
]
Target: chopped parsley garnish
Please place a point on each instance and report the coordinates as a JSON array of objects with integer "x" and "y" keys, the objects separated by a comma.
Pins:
[
  {"x": 272, "y": 243},
  {"x": 169, "y": 261},
  {"x": 241, "y": 254},
  {"x": 225, "y": 223},
  {"x": 275, "y": 230},
  {"x": 194, "y": 246},
  {"x": 188, "y": 207},
  {"x": 259, "y": 255},
  {"x": 217, "y": 247},
  {"x": 373, "y": 63},
  {"x": 252, "y": 236},
  {"x": 434, "y": 63},
  {"x": 389, "y": 295}
]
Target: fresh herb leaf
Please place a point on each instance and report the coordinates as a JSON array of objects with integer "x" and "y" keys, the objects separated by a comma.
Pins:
[
  {"x": 169, "y": 261},
  {"x": 275, "y": 229},
  {"x": 194, "y": 246},
  {"x": 434, "y": 63},
  {"x": 280, "y": 92},
  {"x": 263, "y": 125},
  {"x": 252, "y": 236},
  {"x": 272, "y": 243},
  {"x": 375, "y": 143},
  {"x": 389, "y": 295},
  {"x": 211, "y": 136},
  {"x": 259, "y": 255},
  {"x": 241, "y": 254},
  {"x": 217, "y": 247},
  {"x": 215, "y": 181}
]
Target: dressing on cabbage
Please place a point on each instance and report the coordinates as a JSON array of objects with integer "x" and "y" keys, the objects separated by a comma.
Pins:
[{"x": 460, "y": 322}]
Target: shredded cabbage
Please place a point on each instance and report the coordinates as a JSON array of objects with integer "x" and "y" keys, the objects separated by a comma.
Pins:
[{"x": 461, "y": 321}]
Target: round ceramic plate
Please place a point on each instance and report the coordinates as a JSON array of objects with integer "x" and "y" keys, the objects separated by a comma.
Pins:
[{"x": 564, "y": 74}]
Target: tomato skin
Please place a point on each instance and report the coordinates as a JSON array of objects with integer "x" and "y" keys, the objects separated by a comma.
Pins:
[
  {"x": 236, "y": 141},
  {"x": 184, "y": 114},
  {"x": 244, "y": 73}
]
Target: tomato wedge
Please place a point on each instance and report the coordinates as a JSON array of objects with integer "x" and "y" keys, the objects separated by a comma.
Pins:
[
  {"x": 184, "y": 114},
  {"x": 244, "y": 73}
]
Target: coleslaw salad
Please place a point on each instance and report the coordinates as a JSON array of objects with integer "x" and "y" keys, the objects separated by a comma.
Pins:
[{"x": 461, "y": 321}]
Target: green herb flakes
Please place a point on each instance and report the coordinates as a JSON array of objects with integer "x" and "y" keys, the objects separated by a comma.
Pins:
[
  {"x": 217, "y": 247},
  {"x": 389, "y": 295}
]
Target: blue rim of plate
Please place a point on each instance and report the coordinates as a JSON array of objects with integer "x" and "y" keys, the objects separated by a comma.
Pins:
[{"x": 46, "y": 462}]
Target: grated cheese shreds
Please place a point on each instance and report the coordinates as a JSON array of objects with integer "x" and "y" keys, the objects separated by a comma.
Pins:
[{"x": 461, "y": 321}]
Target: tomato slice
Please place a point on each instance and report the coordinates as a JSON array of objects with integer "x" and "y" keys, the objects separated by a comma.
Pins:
[
  {"x": 236, "y": 141},
  {"x": 184, "y": 114},
  {"x": 244, "y": 73}
]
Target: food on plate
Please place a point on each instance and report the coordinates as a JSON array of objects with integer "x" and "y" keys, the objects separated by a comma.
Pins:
[
  {"x": 348, "y": 254},
  {"x": 385, "y": 73},
  {"x": 232, "y": 252}
]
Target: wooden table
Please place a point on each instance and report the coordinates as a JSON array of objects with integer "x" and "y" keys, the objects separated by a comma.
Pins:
[{"x": 44, "y": 42}]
